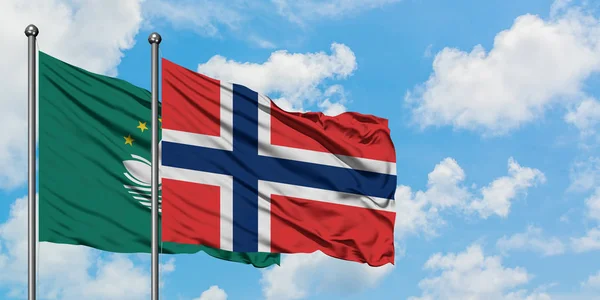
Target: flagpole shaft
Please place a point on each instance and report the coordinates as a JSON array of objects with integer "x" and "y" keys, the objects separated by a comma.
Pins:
[
  {"x": 31, "y": 32},
  {"x": 154, "y": 39}
]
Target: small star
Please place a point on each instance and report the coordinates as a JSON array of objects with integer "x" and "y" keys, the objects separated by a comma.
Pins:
[
  {"x": 142, "y": 126},
  {"x": 160, "y": 120},
  {"x": 128, "y": 140}
]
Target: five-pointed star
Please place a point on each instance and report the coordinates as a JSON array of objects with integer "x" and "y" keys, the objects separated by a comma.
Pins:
[
  {"x": 128, "y": 140},
  {"x": 142, "y": 126}
]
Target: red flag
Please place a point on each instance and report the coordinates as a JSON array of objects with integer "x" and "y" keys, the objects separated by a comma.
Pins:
[{"x": 240, "y": 174}]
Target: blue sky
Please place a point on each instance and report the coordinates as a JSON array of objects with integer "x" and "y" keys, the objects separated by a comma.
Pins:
[{"x": 493, "y": 109}]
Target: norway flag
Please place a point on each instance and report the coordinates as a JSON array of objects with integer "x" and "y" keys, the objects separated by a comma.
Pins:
[{"x": 240, "y": 174}]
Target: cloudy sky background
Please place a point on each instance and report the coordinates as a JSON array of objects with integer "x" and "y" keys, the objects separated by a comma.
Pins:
[{"x": 494, "y": 112}]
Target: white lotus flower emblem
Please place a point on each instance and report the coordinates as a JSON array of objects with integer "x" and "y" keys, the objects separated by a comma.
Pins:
[{"x": 139, "y": 172}]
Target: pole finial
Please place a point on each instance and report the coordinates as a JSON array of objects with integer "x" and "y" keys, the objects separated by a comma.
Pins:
[
  {"x": 31, "y": 30},
  {"x": 154, "y": 38}
]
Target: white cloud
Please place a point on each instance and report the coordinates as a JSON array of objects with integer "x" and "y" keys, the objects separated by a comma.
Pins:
[
  {"x": 287, "y": 105},
  {"x": 202, "y": 16},
  {"x": 167, "y": 267},
  {"x": 524, "y": 295},
  {"x": 333, "y": 105},
  {"x": 443, "y": 185},
  {"x": 213, "y": 18},
  {"x": 592, "y": 204},
  {"x": 585, "y": 174},
  {"x": 593, "y": 282},
  {"x": 487, "y": 278},
  {"x": 332, "y": 109},
  {"x": 589, "y": 242},
  {"x": 533, "y": 65},
  {"x": 497, "y": 196},
  {"x": 586, "y": 116},
  {"x": 414, "y": 214},
  {"x": 427, "y": 53},
  {"x": 532, "y": 240},
  {"x": 67, "y": 271},
  {"x": 261, "y": 42},
  {"x": 301, "y": 275},
  {"x": 296, "y": 78},
  {"x": 559, "y": 6},
  {"x": 301, "y": 11},
  {"x": 108, "y": 281},
  {"x": 420, "y": 211},
  {"x": 68, "y": 30},
  {"x": 213, "y": 293}
]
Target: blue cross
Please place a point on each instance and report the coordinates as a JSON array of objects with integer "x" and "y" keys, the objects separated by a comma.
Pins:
[{"x": 247, "y": 167}]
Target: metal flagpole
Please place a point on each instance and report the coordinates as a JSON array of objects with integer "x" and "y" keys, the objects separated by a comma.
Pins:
[
  {"x": 31, "y": 32},
  {"x": 154, "y": 39}
]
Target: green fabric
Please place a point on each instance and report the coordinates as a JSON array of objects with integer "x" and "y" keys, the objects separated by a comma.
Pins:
[{"x": 84, "y": 119}]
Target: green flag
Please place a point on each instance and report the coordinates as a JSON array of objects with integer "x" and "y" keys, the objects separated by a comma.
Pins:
[{"x": 94, "y": 164}]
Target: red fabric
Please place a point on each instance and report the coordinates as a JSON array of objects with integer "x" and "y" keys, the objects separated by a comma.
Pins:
[
  {"x": 191, "y": 211},
  {"x": 350, "y": 134},
  {"x": 305, "y": 226},
  {"x": 193, "y": 98},
  {"x": 186, "y": 220}
]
